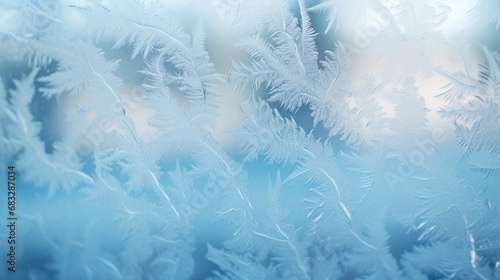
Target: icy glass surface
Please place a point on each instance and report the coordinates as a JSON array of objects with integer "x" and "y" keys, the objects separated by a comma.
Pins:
[{"x": 249, "y": 139}]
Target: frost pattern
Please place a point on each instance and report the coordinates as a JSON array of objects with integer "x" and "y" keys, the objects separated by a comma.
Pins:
[{"x": 341, "y": 165}]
